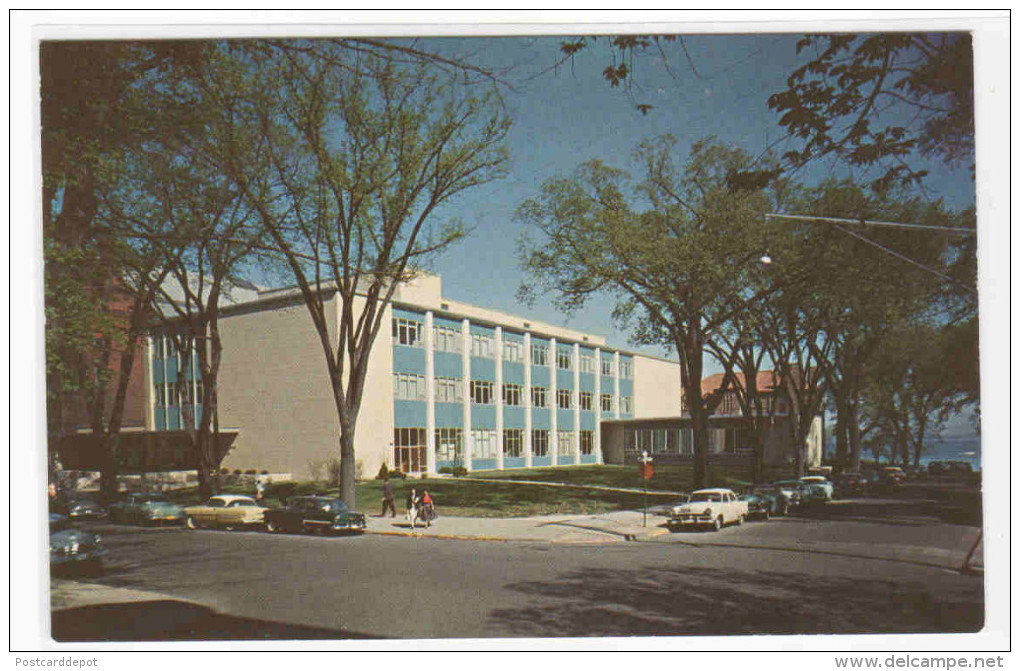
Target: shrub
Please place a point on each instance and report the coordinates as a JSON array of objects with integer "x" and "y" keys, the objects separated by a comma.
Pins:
[
  {"x": 459, "y": 471},
  {"x": 398, "y": 475},
  {"x": 447, "y": 470},
  {"x": 333, "y": 472},
  {"x": 237, "y": 471},
  {"x": 265, "y": 472},
  {"x": 315, "y": 467},
  {"x": 383, "y": 473},
  {"x": 250, "y": 471}
]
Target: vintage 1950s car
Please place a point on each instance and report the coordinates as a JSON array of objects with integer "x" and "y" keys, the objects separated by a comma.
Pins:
[
  {"x": 140, "y": 508},
  {"x": 315, "y": 513},
  {"x": 711, "y": 508},
  {"x": 228, "y": 511},
  {"x": 73, "y": 547}
]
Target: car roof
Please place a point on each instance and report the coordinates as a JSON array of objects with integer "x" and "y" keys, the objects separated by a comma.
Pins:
[
  {"x": 713, "y": 490},
  {"x": 232, "y": 497}
]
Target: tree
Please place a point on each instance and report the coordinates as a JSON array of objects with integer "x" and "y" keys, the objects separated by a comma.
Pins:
[
  {"x": 672, "y": 266},
  {"x": 363, "y": 151},
  {"x": 881, "y": 100}
]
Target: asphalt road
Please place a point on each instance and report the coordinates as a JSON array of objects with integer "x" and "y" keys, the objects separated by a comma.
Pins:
[{"x": 785, "y": 576}]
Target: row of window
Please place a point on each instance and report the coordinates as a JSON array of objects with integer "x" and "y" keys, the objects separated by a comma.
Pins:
[
  {"x": 409, "y": 445},
  {"x": 659, "y": 441},
  {"x": 408, "y": 332},
  {"x": 171, "y": 393},
  {"x": 411, "y": 387},
  {"x": 164, "y": 346}
]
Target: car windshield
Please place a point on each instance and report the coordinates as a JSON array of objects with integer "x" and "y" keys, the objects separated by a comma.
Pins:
[
  {"x": 701, "y": 497},
  {"x": 243, "y": 502}
]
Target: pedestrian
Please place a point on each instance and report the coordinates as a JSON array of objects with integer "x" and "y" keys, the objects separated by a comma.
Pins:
[
  {"x": 428, "y": 508},
  {"x": 260, "y": 489},
  {"x": 412, "y": 507},
  {"x": 387, "y": 498}
]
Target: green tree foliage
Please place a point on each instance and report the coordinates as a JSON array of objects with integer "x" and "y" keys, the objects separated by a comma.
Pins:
[
  {"x": 882, "y": 100},
  {"x": 672, "y": 248},
  {"x": 363, "y": 150}
]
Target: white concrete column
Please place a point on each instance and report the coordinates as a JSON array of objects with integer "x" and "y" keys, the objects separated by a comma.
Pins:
[
  {"x": 575, "y": 396},
  {"x": 597, "y": 435},
  {"x": 527, "y": 400},
  {"x": 616, "y": 385},
  {"x": 465, "y": 359},
  {"x": 150, "y": 380},
  {"x": 430, "y": 394},
  {"x": 499, "y": 397},
  {"x": 554, "y": 406}
]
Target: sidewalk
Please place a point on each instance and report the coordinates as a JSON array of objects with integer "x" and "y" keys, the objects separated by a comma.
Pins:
[{"x": 615, "y": 527}]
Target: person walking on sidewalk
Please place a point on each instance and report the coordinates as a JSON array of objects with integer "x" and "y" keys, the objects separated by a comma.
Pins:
[
  {"x": 428, "y": 508},
  {"x": 387, "y": 499}
]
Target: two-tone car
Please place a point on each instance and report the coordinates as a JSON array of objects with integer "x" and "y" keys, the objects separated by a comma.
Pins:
[
  {"x": 145, "y": 508},
  {"x": 817, "y": 489},
  {"x": 71, "y": 547},
  {"x": 85, "y": 509},
  {"x": 712, "y": 508},
  {"x": 321, "y": 514},
  {"x": 226, "y": 511},
  {"x": 759, "y": 504}
]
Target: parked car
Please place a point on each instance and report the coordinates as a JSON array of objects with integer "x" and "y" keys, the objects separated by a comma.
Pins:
[
  {"x": 139, "y": 508},
  {"x": 85, "y": 509},
  {"x": 779, "y": 504},
  {"x": 713, "y": 508},
  {"x": 891, "y": 476},
  {"x": 817, "y": 489},
  {"x": 227, "y": 511},
  {"x": 793, "y": 490},
  {"x": 759, "y": 504},
  {"x": 850, "y": 484},
  {"x": 314, "y": 513},
  {"x": 73, "y": 547}
]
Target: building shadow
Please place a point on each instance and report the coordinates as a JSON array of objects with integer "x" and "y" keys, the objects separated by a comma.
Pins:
[
  {"x": 171, "y": 620},
  {"x": 712, "y": 601}
]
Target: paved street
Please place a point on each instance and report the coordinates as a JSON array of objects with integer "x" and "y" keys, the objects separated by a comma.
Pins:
[{"x": 792, "y": 575}]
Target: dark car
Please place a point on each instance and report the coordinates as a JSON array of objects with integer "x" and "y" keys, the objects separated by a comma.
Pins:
[
  {"x": 321, "y": 514},
  {"x": 851, "y": 484},
  {"x": 142, "y": 508},
  {"x": 73, "y": 547},
  {"x": 85, "y": 509},
  {"x": 759, "y": 504}
]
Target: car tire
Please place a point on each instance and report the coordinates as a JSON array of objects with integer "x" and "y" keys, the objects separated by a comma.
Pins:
[
  {"x": 717, "y": 523},
  {"x": 229, "y": 527},
  {"x": 189, "y": 522}
]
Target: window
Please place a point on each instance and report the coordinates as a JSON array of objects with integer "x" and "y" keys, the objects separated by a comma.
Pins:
[
  {"x": 539, "y": 355},
  {"x": 449, "y": 390},
  {"x": 159, "y": 391},
  {"x": 626, "y": 369},
  {"x": 513, "y": 442},
  {"x": 172, "y": 393},
  {"x": 198, "y": 391},
  {"x": 481, "y": 346},
  {"x": 513, "y": 351},
  {"x": 512, "y": 394},
  {"x": 607, "y": 402},
  {"x": 539, "y": 397},
  {"x": 587, "y": 363},
  {"x": 625, "y": 404},
  {"x": 409, "y": 450},
  {"x": 408, "y": 387},
  {"x": 157, "y": 347},
  {"x": 450, "y": 445},
  {"x": 585, "y": 400},
  {"x": 565, "y": 442},
  {"x": 607, "y": 366},
  {"x": 563, "y": 398},
  {"x": 587, "y": 442},
  {"x": 481, "y": 392},
  {"x": 446, "y": 339},
  {"x": 407, "y": 332},
  {"x": 483, "y": 444},
  {"x": 563, "y": 359},
  {"x": 540, "y": 442}
]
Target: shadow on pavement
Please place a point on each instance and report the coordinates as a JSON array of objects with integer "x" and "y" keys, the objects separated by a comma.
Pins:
[
  {"x": 712, "y": 601},
  {"x": 171, "y": 620}
]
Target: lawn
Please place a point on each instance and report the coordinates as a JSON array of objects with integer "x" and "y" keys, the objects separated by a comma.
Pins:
[{"x": 673, "y": 477}]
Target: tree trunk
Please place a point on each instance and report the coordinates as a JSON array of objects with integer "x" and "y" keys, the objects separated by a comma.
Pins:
[{"x": 347, "y": 466}]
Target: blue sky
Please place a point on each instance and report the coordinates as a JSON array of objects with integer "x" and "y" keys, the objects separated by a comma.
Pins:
[{"x": 568, "y": 115}]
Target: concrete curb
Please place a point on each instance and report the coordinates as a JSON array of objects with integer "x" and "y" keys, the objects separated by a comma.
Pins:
[{"x": 610, "y": 537}]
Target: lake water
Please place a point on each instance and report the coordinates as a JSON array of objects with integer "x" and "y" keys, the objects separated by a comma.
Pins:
[{"x": 958, "y": 449}]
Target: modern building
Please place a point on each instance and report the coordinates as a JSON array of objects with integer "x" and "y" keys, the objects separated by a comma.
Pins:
[{"x": 449, "y": 384}]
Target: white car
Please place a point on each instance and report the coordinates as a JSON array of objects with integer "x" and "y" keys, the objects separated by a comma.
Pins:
[{"x": 709, "y": 508}]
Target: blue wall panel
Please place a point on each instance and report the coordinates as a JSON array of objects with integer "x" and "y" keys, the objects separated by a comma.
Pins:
[
  {"x": 408, "y": 414},
  {"x": 587, "y": 382},
  {"x": 540, "y": 376},
  {"x": 566, "y": 460},
  {"x": 607, "y": 384},
  {"x": 402, "y": 313},
  {"x": 483, "y": 464},
  {"x": 447, "y": 364},
  {"x": 540, "y": 418},
  {"x": 513, "y": 373},
  {"x": 449, "y": 415},
  {"x": 564, "y": 419},
  {"x": 171, "y": 370},
  {"x": 541, "y": 461},
  {"x": 483, "y": 417},
  {"x": 408, "y": 359},
  {"x": 483, "y": 369},
  {"x": 160, "y": 419},
  {"x": 587, "y": 421},
  {"x": 513, "y": 417},
  {"x": 588, "y": 459},
  {"x": 626, "y": 387},
  {"x": 564, "y": 379},
  {"x": 479, "y": 329},
  {"x": 449, "y": 323},
  {"x": 173, "y": 418},
  {"x": 514, "y": 462},
  {"x": 157, "y": 371}
]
